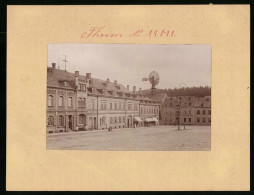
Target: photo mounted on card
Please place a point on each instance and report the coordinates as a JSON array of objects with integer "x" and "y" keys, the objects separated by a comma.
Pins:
[{"x": 128, "y": 98}]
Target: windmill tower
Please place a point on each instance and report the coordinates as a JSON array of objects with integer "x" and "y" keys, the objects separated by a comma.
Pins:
[{"x": 154, "y": 79}]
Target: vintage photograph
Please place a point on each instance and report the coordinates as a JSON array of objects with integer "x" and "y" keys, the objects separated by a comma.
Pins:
[{"x": 128, "y": 97}]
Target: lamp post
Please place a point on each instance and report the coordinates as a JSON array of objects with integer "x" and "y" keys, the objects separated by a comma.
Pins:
[
  {"x": 179, "y": 106},
  {"x": 178, "y": 111}
]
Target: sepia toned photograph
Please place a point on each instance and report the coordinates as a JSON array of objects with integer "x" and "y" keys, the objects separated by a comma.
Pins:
[{"x": 128, "y": 97}]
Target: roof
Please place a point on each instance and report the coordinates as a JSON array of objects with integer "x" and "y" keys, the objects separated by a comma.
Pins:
[
  {"x": 66, "y": 80},
  {"x": 158, "y": 97}
]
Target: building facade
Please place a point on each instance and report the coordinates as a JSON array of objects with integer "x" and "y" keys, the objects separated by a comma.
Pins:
[
  {"x": 188, "y": 110},
  {"x": 76, "y": 103}
]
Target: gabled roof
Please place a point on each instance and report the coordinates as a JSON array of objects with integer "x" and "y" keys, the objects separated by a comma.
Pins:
[{"x": 158, "y": 97}]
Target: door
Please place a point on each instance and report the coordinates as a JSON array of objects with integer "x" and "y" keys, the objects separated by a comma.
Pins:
[
  {"x": 70, "y": 122},
  {"x": 94, "y": 123}
]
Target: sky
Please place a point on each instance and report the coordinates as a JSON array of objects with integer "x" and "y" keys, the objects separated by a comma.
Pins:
[{"x": 177, "y": 65}]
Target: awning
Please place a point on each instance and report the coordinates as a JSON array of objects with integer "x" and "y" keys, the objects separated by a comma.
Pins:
[
  {"x": 155, "y": 119},
  {"x": 148, "y": 119},
  {"x": 138, "y": 119}
]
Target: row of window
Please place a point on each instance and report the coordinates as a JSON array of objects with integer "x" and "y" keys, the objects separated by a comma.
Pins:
[
  {"x": 171, "y": 104},
  {"x": 115, "y": 106},
  {"x": 203, "y": 120},
  {"x": 149, "y": 110},
  {"x": 51, "y": 120},
  {"x": 114, "y": 120},
  {"x": 189, "y": 120},
  {"x": 204, "y": 112},
  {"x": 60, "y": 101}
]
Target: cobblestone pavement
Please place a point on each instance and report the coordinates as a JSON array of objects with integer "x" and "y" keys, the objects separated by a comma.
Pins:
[{"x": 159, "y": 138}]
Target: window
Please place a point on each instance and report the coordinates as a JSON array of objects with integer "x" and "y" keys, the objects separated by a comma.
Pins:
[
  {"x": 202, "y": 105},
  {"x": 103, "y": 105},
  {"x": 124, "y": 106},
  {"x": 60, "y": 101},
  {"x": 103, "y": 119},
  {"x": 111, "y": 106},
  {"x": 82, "y": 87},
  {"x": 61, "y": 120},
  {"x": 115, "y": 119},
  {"x": 120, "y": 119},
  {"x": 141, "y": 110},
  {"x": 93, "y": 106},
  {"x": 189, "y": 104},
  {"x": 50, "y": 100},
  {"x": 50, "y": 120},
  {"x": 204, "y": 120},
  {"x": 135, "y": 107},
  {"x": 124, "y": 119},
  {"x": 209, "y": 112},
  {"x": 70, "y": 101},
  {"x": 166, "y": 119},
  {"x": 115, "y": 106},
  {"x": 189, "y": 111},
  {"x": 184, "y": 120},
  {"x": 129, "y": 106},
  {"x": 119, "y": 105},
  {"x": 209, "y": 120},
  {"x": 84, "y": 102},
  {"x": 198, "y": 111},
  {"x": 190, "y": 120},
  {"x": 80, "y": 102},
  {"x": 204, "y": 112},
  {"x": 82, "y": 119},
  {"x": 110, "y": 120},
  {"x": 198, "y": 120}
]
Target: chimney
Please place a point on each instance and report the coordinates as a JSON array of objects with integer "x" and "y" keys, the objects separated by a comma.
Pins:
[
  {"x": 76, "y": 78},
  {"x": 134, "y": 89},
  {"x": 53, "y": 65},
  {"x": 108, "y": 80},
  {"x": 115, "y": 81},
  {"x": 128, "y": 87},
  {"x": 88, "y": 75}
]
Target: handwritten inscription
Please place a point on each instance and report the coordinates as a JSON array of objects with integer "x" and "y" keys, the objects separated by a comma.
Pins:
[{"x": 99, "y": 32}]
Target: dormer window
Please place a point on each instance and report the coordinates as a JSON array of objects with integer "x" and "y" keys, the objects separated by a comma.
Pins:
[{"x": 82, "y": 87}]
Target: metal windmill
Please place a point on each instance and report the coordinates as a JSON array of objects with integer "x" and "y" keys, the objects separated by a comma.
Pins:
[{"x": 154, "y": 79}]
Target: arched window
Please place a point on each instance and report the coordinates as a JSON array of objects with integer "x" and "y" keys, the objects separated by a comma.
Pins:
[
  {"x": 50, "y": 100},
  {"x": 50, "y": 120},
  {"x": 61, "y": 120}
]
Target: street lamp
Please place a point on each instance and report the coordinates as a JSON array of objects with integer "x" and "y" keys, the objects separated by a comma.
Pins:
[{"x": 179, "y": 106}]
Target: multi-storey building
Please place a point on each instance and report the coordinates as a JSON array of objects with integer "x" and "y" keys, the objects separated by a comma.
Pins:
[
  {"x": 76, "y": 102},
  {"x": 202, "y": 110},
  {"x": 188, "y": 110}
]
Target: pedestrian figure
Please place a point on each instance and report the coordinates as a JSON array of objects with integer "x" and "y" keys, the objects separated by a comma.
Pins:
[{"x": 110, "y": 129}]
